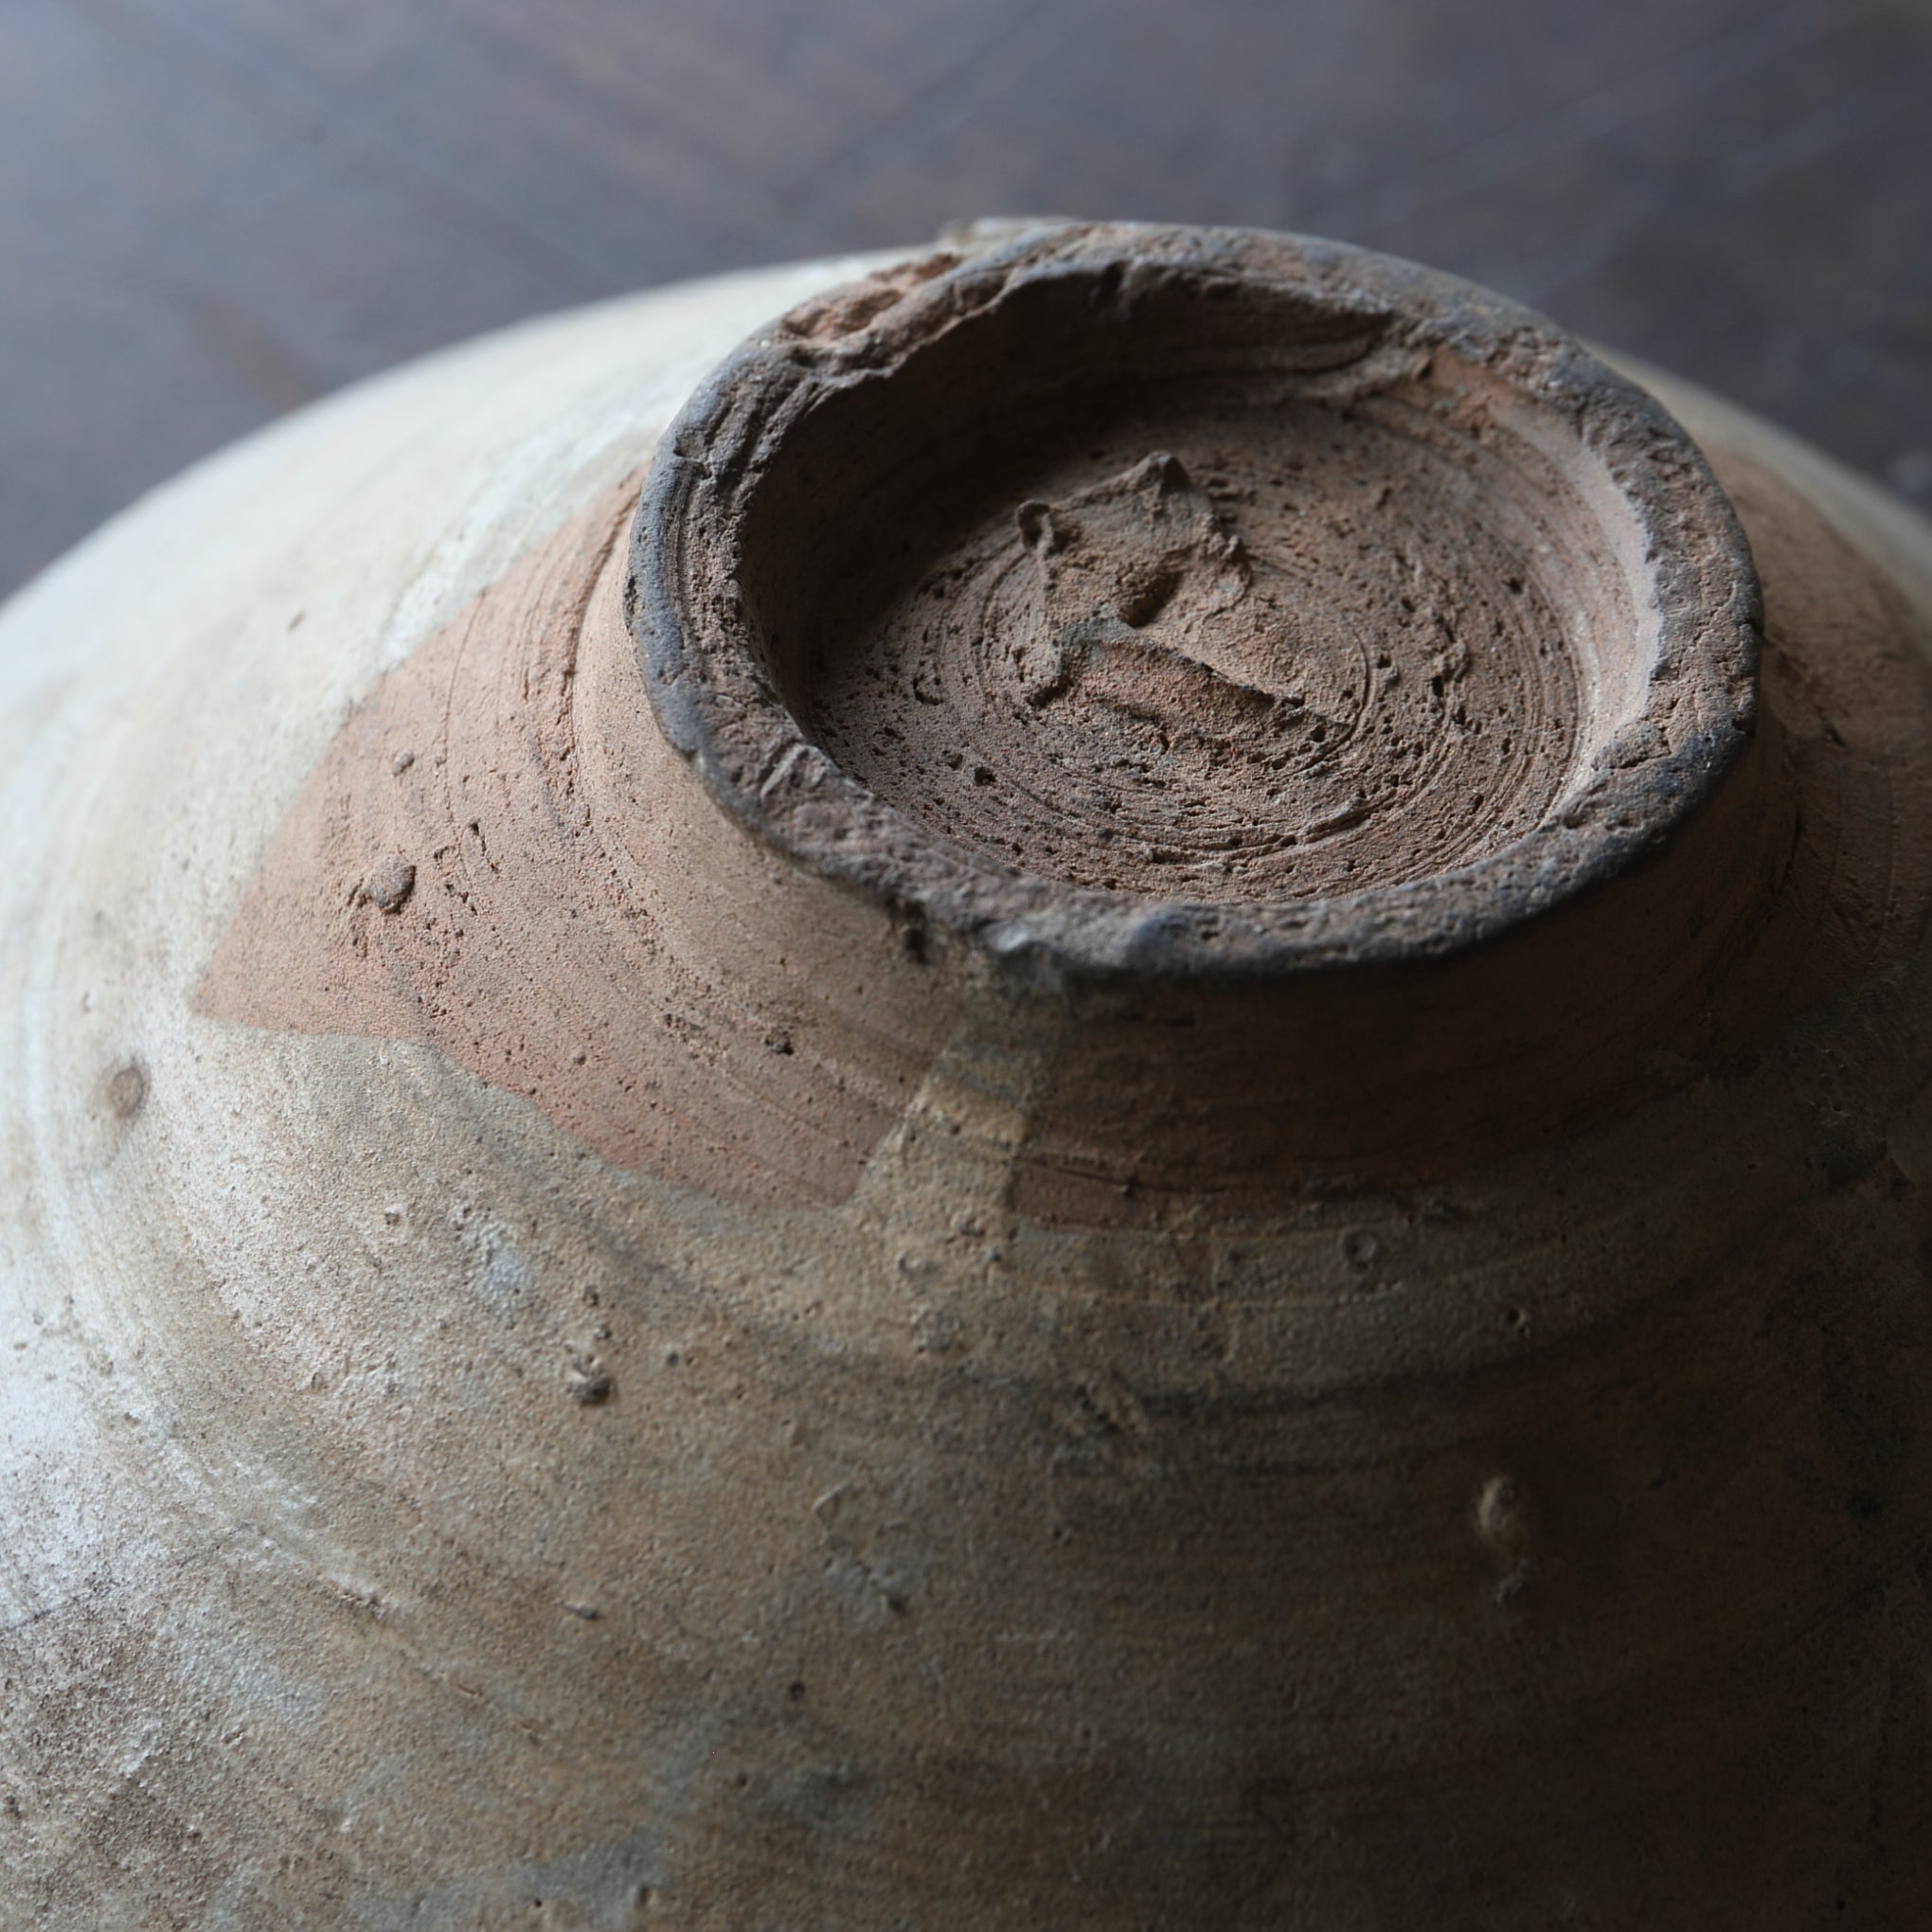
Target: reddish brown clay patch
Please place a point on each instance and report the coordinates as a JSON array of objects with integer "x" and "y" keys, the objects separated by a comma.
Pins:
[
  {"x": 1328, "y": 777},
  {"x": 450, "y": 875}
]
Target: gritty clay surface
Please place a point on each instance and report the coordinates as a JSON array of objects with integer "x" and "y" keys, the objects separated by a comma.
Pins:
[
  {"x": 1290, "y": 604},
  {"x": 901, "y": 1433},
  {"x": 1350, "y": 647},
  {"x": 1278, "y": 656},
  {"x": 491, "y": 860}
]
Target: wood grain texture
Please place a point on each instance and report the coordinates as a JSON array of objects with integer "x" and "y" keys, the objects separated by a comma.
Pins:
[{"x": 213, "y": 209}]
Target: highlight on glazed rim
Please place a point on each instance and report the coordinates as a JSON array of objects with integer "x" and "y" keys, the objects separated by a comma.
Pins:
[{"x": 1105, "y": 1102}]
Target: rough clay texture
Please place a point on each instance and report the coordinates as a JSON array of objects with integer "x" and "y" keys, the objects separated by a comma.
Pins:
[
  {"x": 570, "y": 927},
  {"x": 1284, "y": 605},
  {"x": 427, "y": 1507},
  {"x": 1263, "y": 660}
]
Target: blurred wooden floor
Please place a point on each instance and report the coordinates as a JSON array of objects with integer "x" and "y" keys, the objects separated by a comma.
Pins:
[{"x": 211, "y": 210}]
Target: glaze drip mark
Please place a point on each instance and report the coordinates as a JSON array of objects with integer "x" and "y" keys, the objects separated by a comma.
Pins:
[{"x": 1312, "y": 655}]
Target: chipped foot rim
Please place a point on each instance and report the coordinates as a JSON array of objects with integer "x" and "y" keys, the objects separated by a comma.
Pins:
[{"x": 1192, "y": 602}]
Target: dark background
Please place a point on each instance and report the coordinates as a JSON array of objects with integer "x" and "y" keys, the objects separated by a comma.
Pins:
[{"x": 211, "y": 210}]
